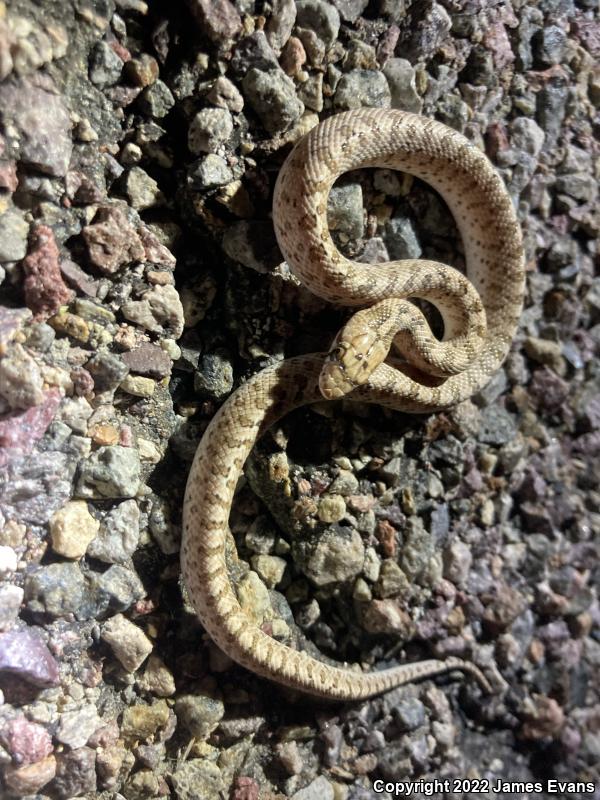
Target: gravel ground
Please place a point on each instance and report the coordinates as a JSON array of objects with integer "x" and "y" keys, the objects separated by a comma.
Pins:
[{"x": 141, "y": 282}]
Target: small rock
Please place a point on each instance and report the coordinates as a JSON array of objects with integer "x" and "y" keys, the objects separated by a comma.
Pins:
[
  {"x": 269, "y": 568},
  {"x": 253, "y": 51},
  {"x": 157, "y": 679},
  {"x": 332, "y": 507},
  {"x": 148, "y": 359},
  {"x": 142, "y": 190},
  {"x": 218, "y": 19},
  {"x": 45, "y": 290},
  {"x": 400, "y": 75},
  {"x": 159, "y": 309},
  {"x": 26, "y": 741},
  {"x": 409, "y": 713},
  {"x": 118, "y": 534},
  {"x": 362, "y": 87},
  {"x": 8, "y": 561},
  {"x": 384, "y": 616},
  {"x": 457, "y": 562},
  {"x": 107, "y": 371},
  {"x": 350, "y": 10},
  {"x": 209, "y": 130},
  {"x": 24, "y": 654},
  {"x": 118, "y": 589},
  {"x": 156, "y": 100},
  {"x": 129, "y": 643},
  {"x": 143, "y": 70},
  {"x": 11, "y": 598},
  {"x": 549, "y": 45},
  {"x": 272, "y": 96},
  {"x": 13, "y": 235},
  {"x": 345, "y": 212},
  {"x": 72, "y": 528},
  {"x": 105, "y": 65},
  {"x": 138, "y": 386},
  {"x": 28, "y": 780},
  {"x": 281, "y": 22},
  {"x": 111, "y": 240},
  {"x": 21, "y": 381},
  {"x": 544, "y": 720},
  {"x": 225, "y": 94},
  {"x": 76, "y": 727},
  {"x": 545, "y": 351},
  {"x": 75, "y": 773},
  {"x": 141, "y": 722},
  {"x": 319, "y": 789},
  {"x": 110, "y": 472},
  {"x": 391, "y": 581},
  {"x": 214, "y": 378},
  {"x": 293, "y": 57},
  {"x": 253, "y": 597},
  {"x": 401, "y": 239},
  {"x": 42, "y": 122},
  {"x": 77, "y": 278},
  {"x": 200, "y": 712},
  {"x": 196, "y": 779},
  {"x": 337, "y": 556},
  {"x": 211, "y": 171},
  {"x": 58, "y": 590},
  {"x": 320, "y": 17}
]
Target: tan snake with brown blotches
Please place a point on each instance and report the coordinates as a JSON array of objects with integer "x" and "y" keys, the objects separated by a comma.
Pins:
[{"x": 480, "y": 313}]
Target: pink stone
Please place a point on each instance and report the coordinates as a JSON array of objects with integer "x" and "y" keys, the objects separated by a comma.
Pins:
[
  {"x": 25, "y": 654},
  {"x": 20, "y": 430},
  {"x": 245, "y": 788},
  {"x": 112, "y": 240},
  {"x": 26, "y": 741},
  {"x": 45, "y": 290},
  {"x": 154, "y": 251},
  {"x": 218, "y": 19},
  {"x": 497, "y": 41}
]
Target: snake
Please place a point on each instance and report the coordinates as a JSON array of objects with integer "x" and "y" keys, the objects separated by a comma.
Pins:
[{"x": 386, "y": 354}]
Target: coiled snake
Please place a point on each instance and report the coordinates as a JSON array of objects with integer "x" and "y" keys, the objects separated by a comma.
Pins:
[{"x": 480, "y": 315}]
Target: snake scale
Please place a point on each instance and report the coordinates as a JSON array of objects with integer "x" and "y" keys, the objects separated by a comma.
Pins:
[{"x": 480, "y": 315}]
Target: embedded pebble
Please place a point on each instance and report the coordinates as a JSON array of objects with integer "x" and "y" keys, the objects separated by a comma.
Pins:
[
  {"x": 362, "y": 87},
  {"x": 21, "y": 381},
  {"x": 337, "y": 556},
  {"x": 142, "y": 190},
  {"x": 11, "y": 598},
  {"x": 129, "y": 643},
  {"x": 158, "y": 310},
  {"x": 118, "y": 534},
  {"x": 29, "y": 779},
  {"x": 13, "y": 235},
  {"x": 196, "y": 778},
  {"x": 209, "y": 130},
  {"x": 272, "y": 97},
  {"x": 40, "y": 116},
  {"x": 110, "y": 472},
  {"x": 345, "y": 210},
  {"x": 72, "y": 528},
  {"x": 200, "y": 712},
  {"x": 76, "y": 727},
  {"x": 23, "y": 653}
]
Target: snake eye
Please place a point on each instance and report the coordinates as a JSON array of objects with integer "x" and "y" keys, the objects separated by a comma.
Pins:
[{"x": 336, "y": 353}]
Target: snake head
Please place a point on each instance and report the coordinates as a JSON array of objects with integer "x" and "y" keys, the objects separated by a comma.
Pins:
[{"x": 356, "y": 352}]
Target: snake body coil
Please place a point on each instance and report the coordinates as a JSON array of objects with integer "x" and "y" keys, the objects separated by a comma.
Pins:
[{"x": 480, "y": 315}]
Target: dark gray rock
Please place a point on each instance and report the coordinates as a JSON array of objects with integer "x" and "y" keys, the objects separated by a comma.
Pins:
[
  {"x": 272, "y": 96},
  {"x": 105, "y": 66},
  {"x": 362, "y": 87}
]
